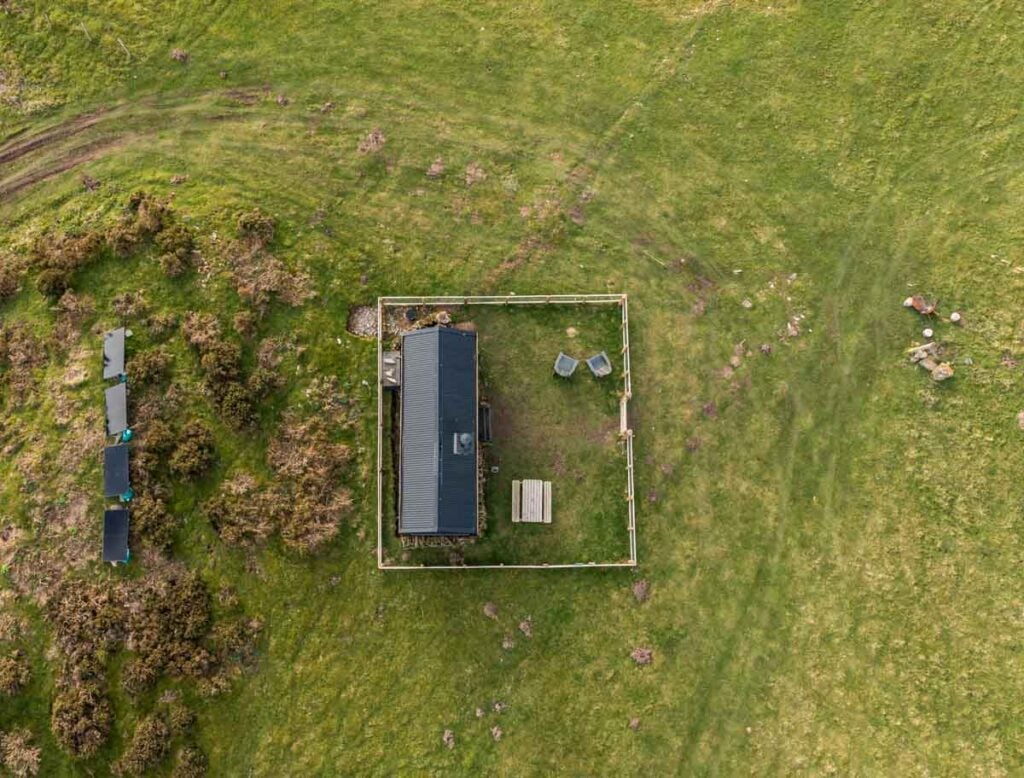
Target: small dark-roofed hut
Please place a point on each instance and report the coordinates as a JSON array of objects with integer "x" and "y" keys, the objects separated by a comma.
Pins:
[{"x": 438, "y": 469}]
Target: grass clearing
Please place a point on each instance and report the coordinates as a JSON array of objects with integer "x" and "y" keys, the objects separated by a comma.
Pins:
[{"x": 834, "y": 541}]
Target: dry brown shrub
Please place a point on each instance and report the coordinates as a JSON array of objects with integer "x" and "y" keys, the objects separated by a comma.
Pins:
[
  {"x": 312, "y": 463},
  {"x": 315, "y": 519},
  {"x": 168, "y": 617},
  {"x": 195, "y": 452},
  {"x": 245, "y": 323},
  {"x": 129, "y": 304},
  {"x": 14, "y": 673},
  {"x": 176, "y": 244},
  {"x": 149, "y": 745},
  {"x": 18, "y": 754},
  {"x": 373, "y": 142},
  {"x": 67, "y": 251},
  {"x": 242, "y": 513},
  {"x": 88, "y": 622},
  {"x": 152, "y": 521},
  {"x": 179, "y": 717},
  {"x": 81, "y": 718},
  {"x": 150, "y": 368},
  {"x": 191, "y": 763},
  {"x": 21, "y": 353},
  {"x": 10, "y": 282},
  {"x": 256, "y": 228},
  {"x": 303, "y": 451},
  {"x": 260, "y": 278},
  {"x": 162, "y": 325},
  {"x": 200, "y": 329}
]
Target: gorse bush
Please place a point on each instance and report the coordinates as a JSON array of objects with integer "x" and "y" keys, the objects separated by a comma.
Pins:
[
  {"x": 14, "y": 673},
  {"x": 149, "y": 745},
  {"x": 150, "y": 368},
  {"x": 18, "y": 754},
  {"x": 176, "y": 244},
  {"x": 256, "y": 227},
  {"x": 152, "y": 521},
  {"x": 191, "y": 763},
  {"x": 194, "y": 454},
  {"x": 81, "y": 718}
]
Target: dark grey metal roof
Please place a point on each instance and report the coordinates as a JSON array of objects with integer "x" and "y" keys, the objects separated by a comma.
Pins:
[
  {"x": 117, "y": 409},
  {"x": 113, "y": 353},
  {"x": 438, "y": 469},
  {"x": 115, "y": 535},
  {"x": 115, "y": 471}
]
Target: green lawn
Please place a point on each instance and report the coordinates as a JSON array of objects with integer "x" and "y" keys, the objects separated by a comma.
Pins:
[{"x": 833, "y": 541}]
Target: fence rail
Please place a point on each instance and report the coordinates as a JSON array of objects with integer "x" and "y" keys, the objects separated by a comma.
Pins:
[
  {"x": 510, "y": 299},
  {"x": 625, "y": 430}
]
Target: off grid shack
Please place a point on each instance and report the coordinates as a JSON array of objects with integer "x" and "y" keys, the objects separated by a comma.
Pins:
[{"x": 438, "y": 480}]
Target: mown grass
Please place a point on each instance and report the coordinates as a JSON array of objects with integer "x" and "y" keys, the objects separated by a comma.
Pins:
[{"x": 834, "y": 544}]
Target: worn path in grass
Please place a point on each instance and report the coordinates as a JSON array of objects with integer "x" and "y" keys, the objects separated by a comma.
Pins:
[{"x": 832, "y": 540}]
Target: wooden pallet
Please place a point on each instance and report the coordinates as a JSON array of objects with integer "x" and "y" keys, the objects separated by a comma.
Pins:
[{"x": 531, "y": 502}]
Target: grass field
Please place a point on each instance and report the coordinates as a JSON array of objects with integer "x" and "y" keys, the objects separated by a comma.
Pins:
[{"x": 832, "y": 540}]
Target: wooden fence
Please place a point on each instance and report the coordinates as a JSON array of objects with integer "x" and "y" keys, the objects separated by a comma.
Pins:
[{"x": 625, "y": 430}]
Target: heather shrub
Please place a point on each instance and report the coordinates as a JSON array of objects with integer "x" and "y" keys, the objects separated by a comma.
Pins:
[
  {"x": 176, "y": 244},
  {"x": 152, "y": 522},
  {"x": 81, "y": 718},
  {"x": 191, "y": 763},
  {"x": 53, "y": 282},
  {"x": 256, "y": 228},
  {"x": 168, "y": 616},
  {"x": 10, "y": 282},
  {"x": 236, "y": 405},
  {"x": 193, "y": 456},
  {"x": 14, "y": 673},
  {"x": 242, "y": 513},
  {"x": 149, "y": 745},
  {"x": 179, "y": 718},
  {"x": 221, "y": 361},
  {"x": 18, "y": 755},
  {"x": 150, "y": 368}
]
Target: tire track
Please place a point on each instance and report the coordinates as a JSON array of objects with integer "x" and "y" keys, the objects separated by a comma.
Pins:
[{"x": 14, "y": 151}]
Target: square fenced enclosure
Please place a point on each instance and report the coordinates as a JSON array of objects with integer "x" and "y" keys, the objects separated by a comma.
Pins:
[{"x": 572, "y": 433}]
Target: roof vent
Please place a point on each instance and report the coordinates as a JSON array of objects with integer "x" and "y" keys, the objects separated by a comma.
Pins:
[{"x": 463, "y": 443}]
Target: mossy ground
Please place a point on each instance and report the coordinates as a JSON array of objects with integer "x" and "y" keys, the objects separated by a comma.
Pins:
[{"x": 833, "y": 541}]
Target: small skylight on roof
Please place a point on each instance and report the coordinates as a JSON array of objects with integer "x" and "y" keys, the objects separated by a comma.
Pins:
[{"x": 463, "y": 443}]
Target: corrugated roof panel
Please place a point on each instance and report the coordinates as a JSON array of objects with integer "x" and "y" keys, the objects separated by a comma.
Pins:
[
  {"x": 439, "y": 433},
  {"x": 420, "y": 453},
  {"x": 458, "y": 415}
]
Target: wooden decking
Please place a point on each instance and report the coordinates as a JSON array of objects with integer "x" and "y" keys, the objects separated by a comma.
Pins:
[{"x": 531, "y": 502}]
